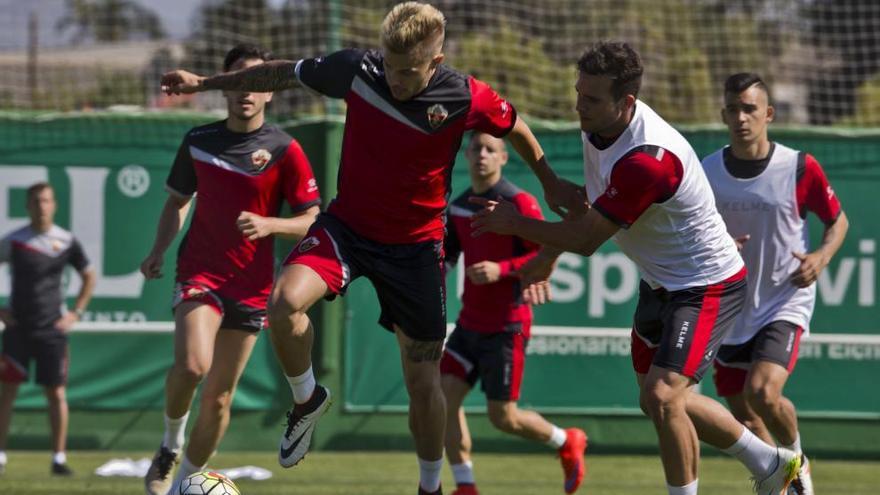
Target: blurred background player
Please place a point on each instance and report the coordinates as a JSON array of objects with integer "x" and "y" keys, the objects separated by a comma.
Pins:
[
  {"x": 493, "y": 328},
  {"x": 763, "y": 191},
  {"x": 36, "y": 320},
  {"x": 240, "y": 170},
  {"x": 650, "y": 194},
  {"x": 406, "y": 114}
]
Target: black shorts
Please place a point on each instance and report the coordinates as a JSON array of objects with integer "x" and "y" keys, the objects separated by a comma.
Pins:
[
  {"x": 235, "y": 314},
  {"x": 48, "y": 347},
  {"x": 682, "y": 330},
  {"x": 777, "y": 342},
  {"x": 497, "y": 360},
  {"x": 409, "y": 278}
]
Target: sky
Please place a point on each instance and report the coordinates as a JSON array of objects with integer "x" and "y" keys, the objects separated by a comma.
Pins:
[{"x": 176, "y": 17}]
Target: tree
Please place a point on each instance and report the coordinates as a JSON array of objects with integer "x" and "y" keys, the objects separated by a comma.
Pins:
[{"x": 109, "y": 21}]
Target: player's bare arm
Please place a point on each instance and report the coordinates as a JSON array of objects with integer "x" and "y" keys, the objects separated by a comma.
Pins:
[
  {"x": 254, "y": 226},
  {"x": 66, "y": 322},
  {"x": 582, "y": 235},
  {"x": 273, "y": 75},
  {"x": 813, "y": 263},
  {"x": 171, "y": 220},
  {"x": 561, "y": 195}
]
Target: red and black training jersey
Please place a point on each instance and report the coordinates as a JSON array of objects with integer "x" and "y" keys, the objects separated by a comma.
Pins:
[
  {"x": 491, "y": 307},
  {"x": 37, "y": 261},
  {"x": 397, "y": 156},
  {"x": 230, "y": 173}
]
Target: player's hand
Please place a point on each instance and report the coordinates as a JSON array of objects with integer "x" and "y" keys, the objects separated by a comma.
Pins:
[
  {"x": 66, "y": 322},
  {"x": 484, "y": 272},
  {"x": 535, "y": 278},
  {"x": 253, "y": 226},
  {"x": 6, "y": 317},
  {"x": 741, "y": 241},
  {"x": 808, "y": 272},
  {"x": 566, "y": 198},
  {"x": 151, "y": 267},
  {"x": 181, "y": 81},
  {"x": 537, "y": 293},
  {"x": 498, "y": 216}
]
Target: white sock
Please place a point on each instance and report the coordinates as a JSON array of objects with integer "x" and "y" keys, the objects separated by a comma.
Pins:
[
  {"x": 302, "y": 386},
  {"x": 175, "y": 430},
  {"x": 3, "y": 457},
  {"x": 186, "y": 468},
  {"x": 59, "y": 458},
  {"x": 463, "y": 473},
  {"x": 429, "y": 474},
  {"x": 757, "y": 456},
  {"x": 689, "y": 489},
  {"x": 557, "y": 438},
  {"x": 796, "y": 446}
]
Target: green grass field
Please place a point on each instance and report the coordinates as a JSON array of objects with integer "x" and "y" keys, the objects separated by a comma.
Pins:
[{"x": 395, "y": 473}]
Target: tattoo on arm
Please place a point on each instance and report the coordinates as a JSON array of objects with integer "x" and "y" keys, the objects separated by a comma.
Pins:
[
  {"x": 419, "y": 351},
  {"x": 273, "y": 75}
]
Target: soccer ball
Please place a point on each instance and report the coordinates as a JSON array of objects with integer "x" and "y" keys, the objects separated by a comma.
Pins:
[{"x": 207, "y": 483}]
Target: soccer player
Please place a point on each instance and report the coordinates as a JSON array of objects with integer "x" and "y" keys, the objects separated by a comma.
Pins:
[
  {"x": 492, "y": 332},
  {"x": 240, "y": 170},
  {"x": 406, "y": 115},
  {"x": 763, "y": 191},
  {"x": 649, "y": 192},
  {"x": 36, "y": 320}
]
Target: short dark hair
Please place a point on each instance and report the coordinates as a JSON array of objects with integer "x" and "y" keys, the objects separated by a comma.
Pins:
[
  {"x": 245, "y": 51},
  {"x": 742, "y": 81},
  {"x": 617, "y": 60},
  {"x": 37, "y": 188}
]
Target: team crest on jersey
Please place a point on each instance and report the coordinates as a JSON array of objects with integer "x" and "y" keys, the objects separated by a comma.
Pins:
[
  {"x": 259, "y": 159},
  {"x": 437, "y": 114},
  {"x": 56, "y": 245},
  {"x": 308, "y": 243}
]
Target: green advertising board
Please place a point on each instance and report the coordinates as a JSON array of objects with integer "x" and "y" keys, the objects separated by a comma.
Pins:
[{"x": 109, "y": 173}]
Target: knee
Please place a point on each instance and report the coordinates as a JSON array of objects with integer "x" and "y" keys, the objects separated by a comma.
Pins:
[
  {"x": 504, "y": 419},
  {"x": 762, "y": 397},
  {"x": 423, "y": 386},
  {"x": 659, "y": 401},
  {"x": 285, "y": 307},
  {"x": 190, "y": 373},
  {"x": 216, "y": 404},
  {"x": 55, "y": 394}
]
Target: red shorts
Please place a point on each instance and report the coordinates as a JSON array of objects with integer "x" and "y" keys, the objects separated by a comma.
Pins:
[
  {"x": 777, "y": 342},
  {"x": 682, "y": 330},
  {"x": 497, "y": 360}
]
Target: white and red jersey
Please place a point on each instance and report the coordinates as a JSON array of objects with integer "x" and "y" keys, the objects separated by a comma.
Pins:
[
  {"x": 768, "y": 200},
  {"x": 230, "y": 173},
  {"x": 397, "y": 156},
  {"x": 650, "y": 182}
]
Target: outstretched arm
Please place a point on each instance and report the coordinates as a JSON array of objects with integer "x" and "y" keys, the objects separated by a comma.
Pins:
[
  {"x": 582, "y": 235},
  {"x": 273, "y": 75},
  {"x": 562, "y": 196}
]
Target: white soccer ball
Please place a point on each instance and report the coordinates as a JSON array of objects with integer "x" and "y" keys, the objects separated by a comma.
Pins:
[{"x": 207, "y": 483}]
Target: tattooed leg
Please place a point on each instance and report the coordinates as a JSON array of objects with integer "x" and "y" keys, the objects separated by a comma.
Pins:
[{"x": 427, "y": 406}]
